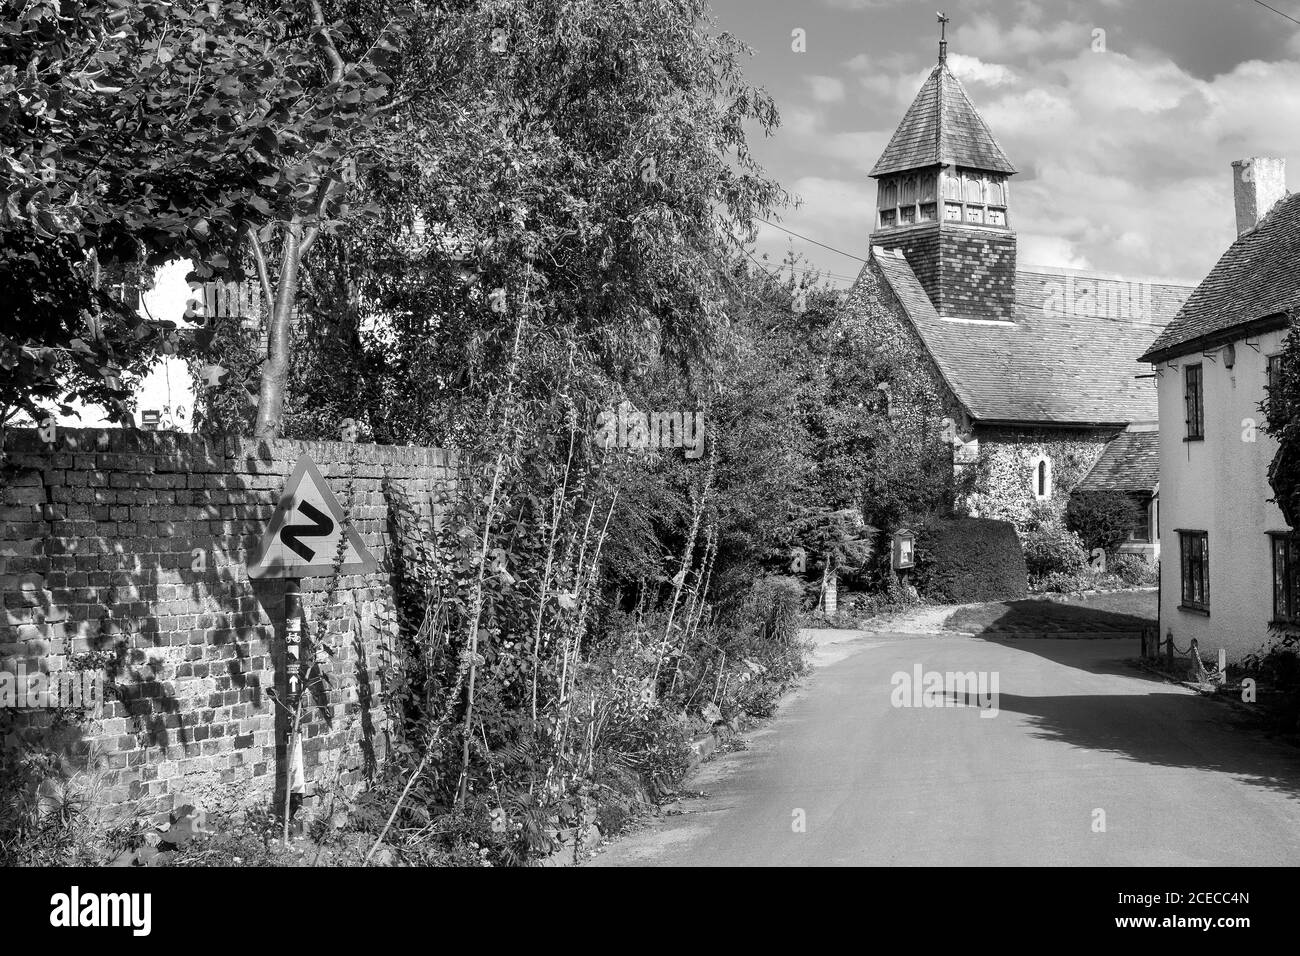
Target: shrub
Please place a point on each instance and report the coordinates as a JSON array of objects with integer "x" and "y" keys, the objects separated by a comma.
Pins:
[
  {"x": 1064, "y": 582},
  {"x": 1102, "y": 519},
  {"x": 1134, "y": 571},
  {"x": 964, "y": 560},
  {"x": 774, "y": 601},
  {"x": 1052, "y": 549}
]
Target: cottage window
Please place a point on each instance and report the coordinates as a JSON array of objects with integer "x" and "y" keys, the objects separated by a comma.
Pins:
[
  {"x": 1194, "y": 400},
  {"x": 975, "y": 214},
  {"x": 952, "y": 211},
  {"x": 1194, "y": 547},
  {"x": 1286, "y": 577},
  {"x": 928, "y": 213},
  {"x": 1274, "y": 375},
  {"x": 996, "y": 217},
  {"x": 888, "y": 217}
]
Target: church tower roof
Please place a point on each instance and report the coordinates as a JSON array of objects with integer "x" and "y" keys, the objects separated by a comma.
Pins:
[{"x": 942, "y": 127}]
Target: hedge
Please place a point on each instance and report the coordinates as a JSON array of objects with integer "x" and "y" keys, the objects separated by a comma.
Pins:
[{"x": 965, "y": 560}]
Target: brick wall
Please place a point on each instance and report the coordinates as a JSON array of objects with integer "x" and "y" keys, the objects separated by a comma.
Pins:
[
  {"x": 127, "y": 554},
  {"x": 966, "y": 271}
]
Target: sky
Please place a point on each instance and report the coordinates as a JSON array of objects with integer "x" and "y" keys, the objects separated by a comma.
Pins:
[{"x": 1123, "y": 138}]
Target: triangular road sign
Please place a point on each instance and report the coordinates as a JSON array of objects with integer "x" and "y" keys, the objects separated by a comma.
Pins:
[{"x": 302, "y": 539}]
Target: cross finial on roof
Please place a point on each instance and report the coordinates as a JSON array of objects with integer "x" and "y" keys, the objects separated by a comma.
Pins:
[{"x": 943, "y": 37}]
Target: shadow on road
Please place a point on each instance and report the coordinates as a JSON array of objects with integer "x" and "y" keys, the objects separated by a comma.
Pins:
[
  {"x": 1035, "y": 615},
  {"x": 1171, "y": 730},
  {"x": 1101, "y": 655}
]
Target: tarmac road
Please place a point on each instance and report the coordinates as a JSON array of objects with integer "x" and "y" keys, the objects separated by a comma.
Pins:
[{"x": 1078, "y": 734}]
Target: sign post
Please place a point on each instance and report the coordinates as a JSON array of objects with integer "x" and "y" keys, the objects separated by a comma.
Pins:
[
  {"x": 308, "y": 536},
  {"x": 294, "y": 779}
]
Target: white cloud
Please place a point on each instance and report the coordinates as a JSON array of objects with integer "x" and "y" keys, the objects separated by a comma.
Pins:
[
  {"x": 837, "y": 212},
  {"x": 1124, "y": 155},
  {"x": 805, "y": 130},
  {"x": 825, "y": 89},
  {"x": 1033, "y": 248},
  {"x": 861, "y": 4},
  {"x": 1125, "y": 161},
  {"x": 856, "y": 148},
  {"x": 892, "y": 63},
  {"x": 798, "y": 124},
  {"x": 983, "y": 36},
  {"x": 971, "y": 69}
]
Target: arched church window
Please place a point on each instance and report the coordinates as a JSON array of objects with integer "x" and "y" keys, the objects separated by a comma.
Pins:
[
  {"x": 997, "y": 192},
  {"x": 1041, "y": 477},
  {"x": 974, "y": 187}
]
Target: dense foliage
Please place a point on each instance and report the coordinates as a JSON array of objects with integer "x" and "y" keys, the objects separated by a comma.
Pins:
[
  {"x": 1102, "y": 519},
  {"x": 1282, "y": 413},
  {"x": 962, "y": 560},
  {"x": 135, "y": 133}
]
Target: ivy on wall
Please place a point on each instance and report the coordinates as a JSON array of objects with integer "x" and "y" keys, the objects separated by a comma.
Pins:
[{"x": 896, "y": 402}]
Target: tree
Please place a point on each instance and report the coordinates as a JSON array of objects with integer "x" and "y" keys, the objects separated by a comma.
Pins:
[
  {"x": 1102, "y": 519},
  {"x": 591, "y": 152},
  {"x": 139, "y": 133},
  {"x": 323, "y": 148}
]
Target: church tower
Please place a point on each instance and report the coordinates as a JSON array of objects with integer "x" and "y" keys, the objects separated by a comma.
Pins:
[{"x": 943, "y": 198}]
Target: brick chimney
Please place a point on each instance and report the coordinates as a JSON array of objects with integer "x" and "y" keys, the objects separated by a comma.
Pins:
[{"x": 1257, "y": 184}]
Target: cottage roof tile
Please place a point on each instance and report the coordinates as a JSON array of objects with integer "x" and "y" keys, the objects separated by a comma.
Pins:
[{"x": 1257, "y": 278}]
